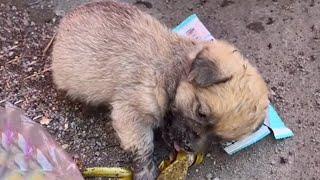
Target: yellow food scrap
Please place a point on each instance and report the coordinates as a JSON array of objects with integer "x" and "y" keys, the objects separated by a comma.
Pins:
[{"x": 178, "y": 169}]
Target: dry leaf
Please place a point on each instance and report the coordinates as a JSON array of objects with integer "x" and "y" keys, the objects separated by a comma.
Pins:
[{"x": 45, "y": 121}]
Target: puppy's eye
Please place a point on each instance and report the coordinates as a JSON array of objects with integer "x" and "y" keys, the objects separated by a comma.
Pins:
[{"x": 200, "y": 113}]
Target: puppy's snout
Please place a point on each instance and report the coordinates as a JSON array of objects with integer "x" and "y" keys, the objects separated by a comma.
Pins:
[{"x": 194, "y": 143}]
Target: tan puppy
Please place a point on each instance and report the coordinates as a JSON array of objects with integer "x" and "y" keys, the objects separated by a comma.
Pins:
[{"x": 108, "y": 52}]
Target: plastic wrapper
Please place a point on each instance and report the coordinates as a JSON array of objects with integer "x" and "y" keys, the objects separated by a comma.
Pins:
[{"x": 27, "y": 151}]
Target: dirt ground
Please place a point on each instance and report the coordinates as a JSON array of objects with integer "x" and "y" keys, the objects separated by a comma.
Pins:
[{"x": 281, "y": 37}]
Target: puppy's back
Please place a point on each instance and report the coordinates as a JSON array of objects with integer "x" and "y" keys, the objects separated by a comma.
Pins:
[{"x": 101, "y": 44}]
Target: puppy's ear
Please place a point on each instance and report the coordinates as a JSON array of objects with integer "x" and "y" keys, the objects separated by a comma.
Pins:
[
  {"x": 205, "y": 73},
  {"x": 196, "y": 50}
]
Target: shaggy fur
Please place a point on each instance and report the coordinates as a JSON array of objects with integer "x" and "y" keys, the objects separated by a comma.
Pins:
[{"x": 108, "y": 52}]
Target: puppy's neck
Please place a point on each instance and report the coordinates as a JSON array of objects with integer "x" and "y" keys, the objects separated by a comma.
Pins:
[{"x": 178, "y": 66}]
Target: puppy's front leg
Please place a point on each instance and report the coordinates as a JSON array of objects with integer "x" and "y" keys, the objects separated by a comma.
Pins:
[{"x": 136, "y": 134}]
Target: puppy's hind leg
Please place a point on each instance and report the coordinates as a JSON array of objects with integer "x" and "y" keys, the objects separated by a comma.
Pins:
[{"x": 136, "y": 135}]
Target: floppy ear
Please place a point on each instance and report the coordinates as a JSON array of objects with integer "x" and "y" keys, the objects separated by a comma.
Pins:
[{"x": 205, "y": 73}]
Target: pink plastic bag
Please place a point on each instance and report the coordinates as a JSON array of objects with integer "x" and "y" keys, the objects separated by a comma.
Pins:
[{"x": 28, "y": 152}]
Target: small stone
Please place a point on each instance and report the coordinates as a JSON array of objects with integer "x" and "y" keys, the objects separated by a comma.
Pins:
[
  {"x": 66, "y": 126},
  {"x": 273, "y": 162},
  {"x": 98, "y": 143},
  {"x": 209, "y": 176},
  {"x": 60, "y": 13},
  {"x": 73, "y": 125},
  {"x": 312, "y": 58},
  {"x": 226, "y": 3},
  {"x": 270, "y": 21},
  {"x": 14, "y": 8},
  {"x": 197, "y": 170},
  {"x": 25, "y": 22},
  {"x": 256, "y": 26},
  {"x": 76, "y": 156},
  {"x": 97, "y": 153},
  {"x": 11, "y": 53},
  {"x": 45, "y": 121},
  {"x": 272, "y": 92},
  {"x": 216, "y": 178},
  {"x": 283, "y": 160},
  {"x": 235, "y": 171},
  {"x": 208, "y": 155},
  {"x": 65, "y": 146}
]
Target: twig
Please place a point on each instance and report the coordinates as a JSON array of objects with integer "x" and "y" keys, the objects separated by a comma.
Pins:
[
  {"x": 34, "y": 3},
  {"x": 14, "y": 60},
  {"x": 2, "y": 101},
  {"x": 17, "y": 102},
  {"x": 37, "y": 117},
  {"x": 36, "y": 74},
  {"x": 49, "y": 45}
]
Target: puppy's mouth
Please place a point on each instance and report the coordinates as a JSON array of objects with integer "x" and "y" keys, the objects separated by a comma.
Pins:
[
  {"x": 186, "y": 141},
  {"x": 180, "y": 141},
  {"x": 185, "y": 148},
  {"x": 178, "y": 148}
]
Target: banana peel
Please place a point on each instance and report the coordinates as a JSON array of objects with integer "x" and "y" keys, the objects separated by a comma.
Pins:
[
  {"x": 110, "y": 172},
  {"x": 169, "y": 170},
  {"x": 178, "y": 169}
]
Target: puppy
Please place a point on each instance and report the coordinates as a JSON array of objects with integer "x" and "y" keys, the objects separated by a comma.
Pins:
[{"x": 109, "y": 52}]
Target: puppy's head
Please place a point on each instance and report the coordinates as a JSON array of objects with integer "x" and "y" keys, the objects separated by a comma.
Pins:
[{"x": 224, "y": 96}]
